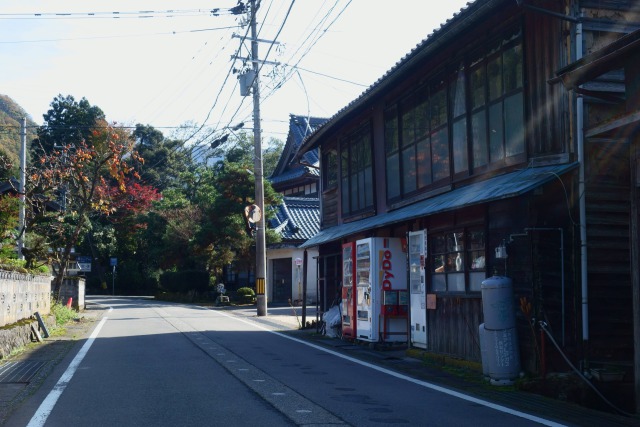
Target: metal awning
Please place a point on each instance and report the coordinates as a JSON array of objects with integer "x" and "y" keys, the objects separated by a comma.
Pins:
[{"x": 497, "y": 188}]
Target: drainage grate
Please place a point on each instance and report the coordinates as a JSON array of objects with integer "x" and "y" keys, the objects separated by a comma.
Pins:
[{"x": 19, "y": 372}]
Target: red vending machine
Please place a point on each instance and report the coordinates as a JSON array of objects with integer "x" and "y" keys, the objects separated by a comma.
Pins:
[{"x": 348, "y": 291}]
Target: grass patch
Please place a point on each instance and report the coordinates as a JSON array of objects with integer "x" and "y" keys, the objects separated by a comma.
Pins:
[{"x": 63, "y": 314}]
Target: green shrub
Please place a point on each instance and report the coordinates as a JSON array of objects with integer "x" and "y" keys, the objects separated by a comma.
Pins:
[
  {"x": 246, "y": 295},
  {"x": 19, "y": 266}
]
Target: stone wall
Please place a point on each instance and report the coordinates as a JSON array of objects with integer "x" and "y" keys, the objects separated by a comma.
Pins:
[
  {"x": 73, "y": 287},
  {"x": 21, "y": 295},
  {"x": 21, "y": 334}
]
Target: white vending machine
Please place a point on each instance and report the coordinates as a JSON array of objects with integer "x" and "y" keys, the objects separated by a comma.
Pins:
[
  {"x": 382, "y": 305},
  {"x": 417, "y": 276}
]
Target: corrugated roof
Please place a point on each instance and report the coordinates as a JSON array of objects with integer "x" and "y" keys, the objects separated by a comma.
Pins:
[{"x": 499, "y": 187}]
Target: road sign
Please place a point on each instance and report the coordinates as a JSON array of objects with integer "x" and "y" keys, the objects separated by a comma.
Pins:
[
  {"x": 113, "y": 262},
  {"x": 84, "y": 262}
]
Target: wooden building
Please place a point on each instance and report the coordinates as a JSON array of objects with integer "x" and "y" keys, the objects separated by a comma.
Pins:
[{"x": 473, "y": 137}]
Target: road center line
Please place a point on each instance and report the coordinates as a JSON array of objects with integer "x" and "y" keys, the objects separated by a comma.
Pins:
[
  {"x": 402, "y": 376},
  {"x": 47, "y": 405}
]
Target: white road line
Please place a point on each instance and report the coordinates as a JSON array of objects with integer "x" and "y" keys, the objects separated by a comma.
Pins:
[
  {"x": 43, "y": 412},
  {"x": 404, "y": 377}
]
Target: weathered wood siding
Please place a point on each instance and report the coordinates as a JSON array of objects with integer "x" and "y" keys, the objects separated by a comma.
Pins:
[
  {"x": 608, "y": 251},
  {"x": 545, "y": 104},
  {"x": 330, "y": 208},
  {"x": 453, "y": 327}
]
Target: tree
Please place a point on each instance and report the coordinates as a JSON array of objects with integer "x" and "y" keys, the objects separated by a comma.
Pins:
[
  {"x": 164, "y": 161},
  {"x": 224, "y": 230},
  {"x": 177, "y": 222},
  {"x": 7, "y": 168},
  {"x": 67, "y": 123},
  {"x": 9, "y": 206},
  {"x": 64, "y": 190},
  {"x": 271, "y": 156}
]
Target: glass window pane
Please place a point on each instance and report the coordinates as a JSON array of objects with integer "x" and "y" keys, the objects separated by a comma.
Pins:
[
  {"x": 422, "y": 119},
  {"x": 438, "y": 244},
  {"x": 455, "y": 241},
  {"x": 355, "y": 155},
  {"x": 356, "y": 193},
  {"x": 512, "y": 68},
  {"x": 514, "y": 124},
  {"x": 477, "y": 87},
  {"x": 478, "y": 260},
  {"x": 368, "y": 187},
  {"x": 479, "y": 141},
  {"x": 408, "y": 124},
  {"x": 496, "y": 134},
  {"x": 438, "y": 283},
  {"x": 345, "y": 192},
  {"x": 409, "y": 169},
  {"x": 476, "y": 239},
  {"x": 455, "y": 282},
  {"x": 475, "y": 281},
  {"x": 455, "y": 262},
  {"x": 458, "y": 96},
  {"x": 494, "y": 77},
  {"x": 366, "y": 152},
  {"x": 439, "y": 263},
  {"x": 424, "y": 163},
  {"x": 393, "y": 175},
  {"x": 438, "y": 103},
  {"x": 391, "y": 131},
  {"x": 460, "y": 156},
  {"x": 440, "y": 154}
]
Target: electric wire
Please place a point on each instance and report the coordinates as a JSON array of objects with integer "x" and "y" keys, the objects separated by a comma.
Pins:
[
  {"x": 119, "y": 36},
  {"x": 201, "y": 127},
  {"x": 273, "y": 42},
  {"x": 118, "y": 14},
  {"x": 313, "y": 43},
  {"x": 229, "y": 72}
]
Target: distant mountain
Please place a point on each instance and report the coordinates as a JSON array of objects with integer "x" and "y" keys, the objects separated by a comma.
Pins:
[{"x": 11, "y": 115}]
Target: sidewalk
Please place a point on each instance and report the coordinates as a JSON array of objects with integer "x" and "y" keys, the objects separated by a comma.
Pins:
[{"x": 467, "y": 382}]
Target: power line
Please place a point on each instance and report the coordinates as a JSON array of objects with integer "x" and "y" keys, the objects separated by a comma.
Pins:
[
  {"x": 166, "y": 33},
  {"x": 171, "y": 13}
]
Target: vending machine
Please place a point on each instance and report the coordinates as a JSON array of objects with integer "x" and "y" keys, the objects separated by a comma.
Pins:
[
  {"x": 381, "y": 289},
  {"x": 417, "y": 275},
  {"x": 349, "y": 290}
]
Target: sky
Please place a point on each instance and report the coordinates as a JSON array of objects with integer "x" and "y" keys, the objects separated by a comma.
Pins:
[{"x": 170, "y": 63}]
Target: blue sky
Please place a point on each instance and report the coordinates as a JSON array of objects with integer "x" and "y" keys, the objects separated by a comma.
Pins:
[{"x": 167, "y": 63}]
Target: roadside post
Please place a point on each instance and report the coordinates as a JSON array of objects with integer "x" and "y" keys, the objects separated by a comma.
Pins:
[{"x": 113, "y": 262}]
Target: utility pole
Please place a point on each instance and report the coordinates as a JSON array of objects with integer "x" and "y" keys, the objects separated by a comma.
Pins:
[
  {"x": 23, "y": 166},
  {"x": 261, "y": 270}
]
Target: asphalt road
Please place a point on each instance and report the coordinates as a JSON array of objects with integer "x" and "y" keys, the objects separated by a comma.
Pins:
[{"x": 149, "y": 363}]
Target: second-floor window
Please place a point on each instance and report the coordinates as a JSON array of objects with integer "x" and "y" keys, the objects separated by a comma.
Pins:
[
  {"x": 497, "y": 102},
  {"x": 329, "y": 170},
  {"x": 462, "y": 122},
  {"x": 417, "y": 140},
  {"x": 356, "y": 171}
]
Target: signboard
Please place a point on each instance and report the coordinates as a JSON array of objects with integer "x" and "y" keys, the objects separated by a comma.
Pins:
[
  {"x": 84, "y": 262},
  {"x": 113, "y": 262}
]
